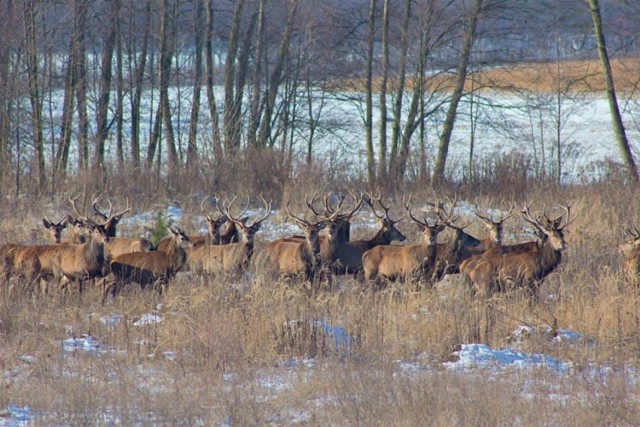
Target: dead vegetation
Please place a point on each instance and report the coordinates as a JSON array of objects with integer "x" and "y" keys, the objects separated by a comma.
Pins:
[{"x": 255, "y": 349}]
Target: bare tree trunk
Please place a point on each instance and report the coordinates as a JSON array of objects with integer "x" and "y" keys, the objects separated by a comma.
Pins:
[
  {"x": 66, "y": 127},
  {"x": 368, "y": 118},
  {"x": 616, "y": 117},
  {"x": 256, "y": 86},
  {"x": 106, "y": 74},
  {"x": 276, "y": 75},
  {"x": 34, "y": 91},
  {"x": 138, "y": 87},
  {"x": 231, "y": 139},
  {"x": 81, "y": 87},
  {"x": 218, "y": 152},
  {"x": 471, "y": 23},
  {"x": 397, "y": 107},
  {"x": 6, "y": 10},
  {"x": 119, "y": 114},
  {"x": 382, "y": 142},
  {"x": 192, "y": 147},
  {"x": 166, "y": 55}
]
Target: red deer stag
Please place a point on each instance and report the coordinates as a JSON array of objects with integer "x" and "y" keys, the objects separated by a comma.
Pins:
[
  {"x": 232, "y": 257},
  {"x": 116, "y": 245},
  {"x": 110, "y": 220},
  {"x": 338, "y": 226},
  {"x": 493, "y": 239},
  {"x": 497, "y": 271},
  {"x": 148, "y": 268},
  {"x": 215, "y": 234},
  {"x": 349, "y": 256},
  {"x": 65, "y": 259},
  {"x": 405, "y": 262},
  {"x": 459, "y": 247},
  {"x": 630, "y": 250},
  {"x": 293, "y": 257}
]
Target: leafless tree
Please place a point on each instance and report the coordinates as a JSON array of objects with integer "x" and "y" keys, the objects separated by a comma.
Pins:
[{"x": 616, "y": 117}]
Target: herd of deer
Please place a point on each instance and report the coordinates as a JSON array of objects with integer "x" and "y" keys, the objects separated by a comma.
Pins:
[{"x": 95, "y": 252}]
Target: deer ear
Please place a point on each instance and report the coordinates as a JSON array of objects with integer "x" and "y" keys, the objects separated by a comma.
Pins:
[{"x": 46, "y": 223}]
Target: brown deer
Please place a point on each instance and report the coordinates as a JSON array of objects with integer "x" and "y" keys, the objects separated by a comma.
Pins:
[
  {"x": 8, "y": 254},
  {"x": 84, "y": 261},
  {"x": 232, "y": 257},
  {"x": 215, "y": 234},
  {"x": 336, "y": 223},
  {"x": 497, "y": 271},
  {"x": 293, "y": 257},
  {"x": 405, "y": 262},
  {"x": 349, "y": 255},
  {"x": 460, "y": 246},
  {"x": 491, "y": 241},
  {"x": 148, "y": 268},
  {"x": 630, "y": 250},
  {"x": 57, "y": 260},
  {"x": 115, "y": 245}
]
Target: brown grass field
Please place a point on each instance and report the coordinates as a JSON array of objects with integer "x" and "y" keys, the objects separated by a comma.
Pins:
[
  {"x": 567, "y": 76},
  {"x": 248, "y": 350}
]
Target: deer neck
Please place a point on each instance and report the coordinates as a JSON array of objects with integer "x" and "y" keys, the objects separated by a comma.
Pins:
[
  {"x": 428, "y": 246},
  {"x": 176, "y": 255},
  {"x": 548, "y": 257},
  {"x": 230, "y": 234},
  {"x": 381, "y": 238}
]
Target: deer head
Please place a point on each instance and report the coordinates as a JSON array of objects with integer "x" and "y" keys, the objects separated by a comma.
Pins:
[
  {"x": 110, "y": 220},
  {"x": 247, "y": 231},
  {"x": 56, "y": 228},
  {"x": 494, "y": 226},
  {"x": 429, "y": 231},
  {"x": 213, "y": 224},
  {"x": 387, "y": 225},
  {"x": 552, "y": 229}
]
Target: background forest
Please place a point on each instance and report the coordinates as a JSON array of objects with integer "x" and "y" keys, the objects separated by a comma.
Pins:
[{"x": 166, "y": 88}]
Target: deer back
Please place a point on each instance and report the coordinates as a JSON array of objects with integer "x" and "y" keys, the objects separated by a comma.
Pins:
[{"x": 117, "y": 246}]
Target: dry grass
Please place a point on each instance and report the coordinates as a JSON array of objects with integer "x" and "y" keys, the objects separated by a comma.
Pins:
[
  {"x": 572, "y": 76},
  {"x": 252, "y": 350}
]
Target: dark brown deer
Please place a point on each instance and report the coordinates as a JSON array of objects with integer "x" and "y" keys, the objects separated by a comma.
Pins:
[
  {"x": 405, "y": 262},
  {"x": 148, "y": 268},
  {"x": 338, "y": 226},
  {"x": 527, "y": 269},
  {"x": 349, "y": 256},
  {"x": 232, "y": 257},
  {"x": 459, "y": 247}
]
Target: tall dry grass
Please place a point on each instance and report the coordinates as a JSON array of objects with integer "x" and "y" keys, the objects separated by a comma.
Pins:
[{"x": 254, "y": 349}]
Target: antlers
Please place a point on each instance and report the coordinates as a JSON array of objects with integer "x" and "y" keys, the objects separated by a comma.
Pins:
[
  {"x": 369, "y": 199},
  {"x": 225, "y": 210},
  {"x": 440, "y": 220},
  {"x": 107, "y": 217},
  {"x": 489, "y": 221},
  {"x": 542, "y": 221}
]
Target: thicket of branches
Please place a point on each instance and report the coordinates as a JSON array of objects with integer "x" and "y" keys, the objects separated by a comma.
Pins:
[{"x": 164, "y": 86}]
